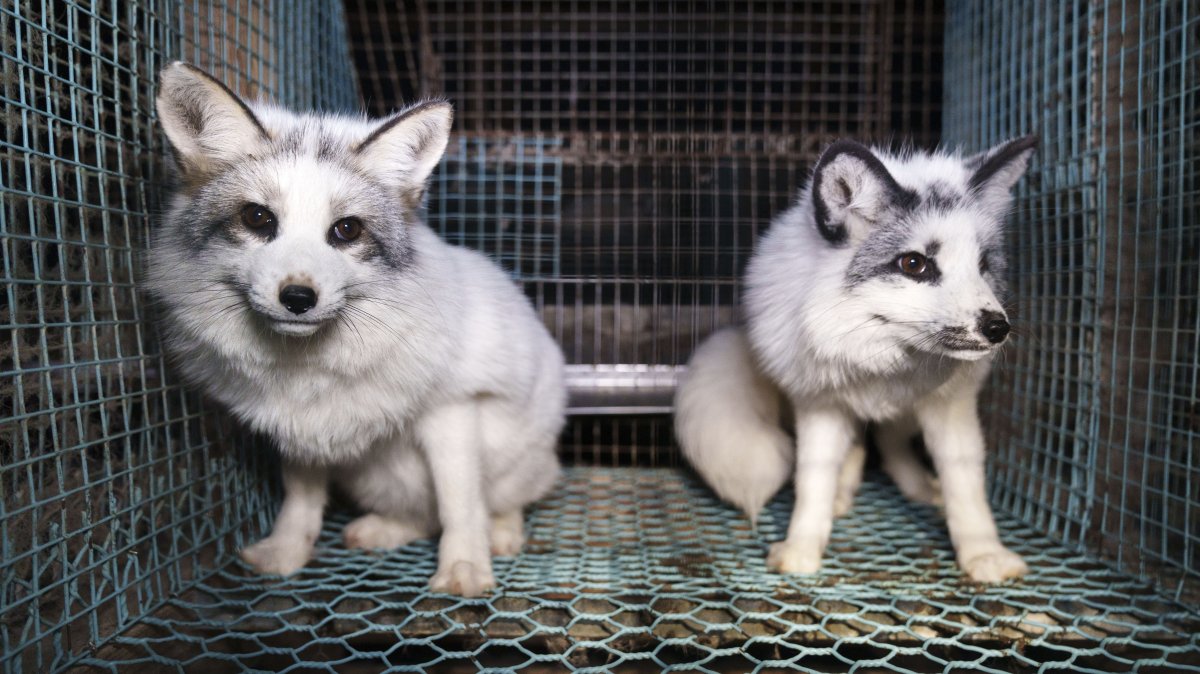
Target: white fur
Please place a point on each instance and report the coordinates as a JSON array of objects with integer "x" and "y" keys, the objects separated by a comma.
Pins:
[
  {"x": 725, "y": 413},
  {"x": 428, "y": 390},
  {"x": 841, "y": 353}
]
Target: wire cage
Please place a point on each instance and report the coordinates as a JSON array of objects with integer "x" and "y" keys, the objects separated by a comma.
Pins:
[{"x": 619, "y": 158}]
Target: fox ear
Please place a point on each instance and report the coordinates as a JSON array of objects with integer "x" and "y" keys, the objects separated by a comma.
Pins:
[
  {"x": 406, "y": 147},
  {"x": 206, "y": 123},
  {"x": 851, "y": 189},
  {"x": 994, "y": 172}
]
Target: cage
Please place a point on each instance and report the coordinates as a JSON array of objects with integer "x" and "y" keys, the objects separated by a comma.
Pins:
[{"x": 619, "y": 158}]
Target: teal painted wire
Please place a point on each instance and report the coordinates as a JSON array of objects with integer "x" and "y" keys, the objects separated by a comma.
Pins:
[
  {"x": 644, "y": 565},
  {"x": 124, "y": 512},
  {"x": 1096, "y": 403},
  {"x": 101, "y": 520}
]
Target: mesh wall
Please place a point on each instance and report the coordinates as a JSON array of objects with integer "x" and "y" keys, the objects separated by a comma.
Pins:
[
  {"x": 112, "y": 493},
  {"x": 1095, "y": 409},
  {"x": 669, "y": 132},
  {"x": 618, "y": 158}
]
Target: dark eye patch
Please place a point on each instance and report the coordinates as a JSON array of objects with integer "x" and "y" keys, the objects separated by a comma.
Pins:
[{"x": 918, "y": 267}]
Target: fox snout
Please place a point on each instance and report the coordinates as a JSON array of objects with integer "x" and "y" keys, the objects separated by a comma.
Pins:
[
  {"x": 993, "y": 325},
  {"x": 296, "y": 288},
  {"x": 969, "y": 342}
]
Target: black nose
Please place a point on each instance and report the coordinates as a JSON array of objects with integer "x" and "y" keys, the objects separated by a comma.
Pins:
[
  {"x": 298, "y": 299},
  {"x": 994, "y": 326}
]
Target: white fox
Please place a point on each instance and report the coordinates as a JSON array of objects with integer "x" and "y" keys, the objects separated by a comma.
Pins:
[
  {"x": 299, "y": 288},
  {"x": 877, "y": 297}
]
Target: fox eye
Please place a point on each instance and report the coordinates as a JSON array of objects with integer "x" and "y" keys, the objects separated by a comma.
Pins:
[
  {"x": 345, "y": 230},
  {"x": 984, "y": 267},
  {"x": 913, "y": 264},
  {"x": 258, "y": 218}
]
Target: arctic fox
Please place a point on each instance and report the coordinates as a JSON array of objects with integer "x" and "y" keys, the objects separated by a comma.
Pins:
[
  {"x": 299, "y": 288},
  {"x": 876, "y": 297}
]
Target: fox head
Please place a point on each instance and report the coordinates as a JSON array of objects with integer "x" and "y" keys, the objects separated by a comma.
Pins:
[
  {"x": 923, "y": 240},
  {"x": 282, "y": 221}
]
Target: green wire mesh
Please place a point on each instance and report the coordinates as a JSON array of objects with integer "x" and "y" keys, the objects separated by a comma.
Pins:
[
  {"x": 123, "y": 497},
  {"x": 1097, "y": 407},
  {"x": 502, "y": 197},
  {"x": 673, "y": 131},
  {"x": 113, "y": 494},
  {"x": 642, "y": 569}
]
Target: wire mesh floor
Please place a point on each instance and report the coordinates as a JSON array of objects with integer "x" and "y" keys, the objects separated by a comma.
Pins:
[{"x": 644, "y": 570}]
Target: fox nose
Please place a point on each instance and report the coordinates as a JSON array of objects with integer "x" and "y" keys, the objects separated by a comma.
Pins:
[
  {"x": 994, "y": 326},
  {"x": 298, "y": 299}
]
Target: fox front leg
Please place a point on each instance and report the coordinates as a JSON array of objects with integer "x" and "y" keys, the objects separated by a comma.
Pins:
[
  {"x": 452, "y": 441},
  {"x": 290, "y": 545},
  {"x": 823, "y": 438},
  {"x": 953, "y": 435}
]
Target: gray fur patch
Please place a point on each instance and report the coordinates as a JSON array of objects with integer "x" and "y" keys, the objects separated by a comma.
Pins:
[
  {"x": 875, "y": 255},
  {"x": 940, "y": 196}
]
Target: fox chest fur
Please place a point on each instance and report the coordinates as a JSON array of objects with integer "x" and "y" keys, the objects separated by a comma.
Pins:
[
  {"x": 310, "y": 403},
  {"x": 879, "y": 398}
]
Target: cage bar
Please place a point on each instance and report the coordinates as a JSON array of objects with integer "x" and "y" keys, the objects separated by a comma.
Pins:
[{"x": 619, "y": 159}]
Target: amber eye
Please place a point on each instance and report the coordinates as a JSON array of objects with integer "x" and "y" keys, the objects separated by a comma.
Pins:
[
  {"x": 257, "y": 217},
  {"x": 345, "y": 230},
  {"x": 912, "y": 264}
]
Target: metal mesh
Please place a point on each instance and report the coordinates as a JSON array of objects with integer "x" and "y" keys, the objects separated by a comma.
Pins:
[
  {"x": 618, "y": 158},
  {"x": 643, "y": 570},
  {"x": 1095, "y": 412},
  {"x": 114, "y": 494},
  {"x": 670, "y": 133}
]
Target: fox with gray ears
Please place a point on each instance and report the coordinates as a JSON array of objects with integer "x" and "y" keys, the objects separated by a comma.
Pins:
[
  {"x": 300, "y": 289},
  {"x": 877, "y": 297}
]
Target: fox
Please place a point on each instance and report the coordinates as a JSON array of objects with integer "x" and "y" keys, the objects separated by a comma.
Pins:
[
  {"x": 300, "y": 289},
  {"x": 877, "y": 297}
]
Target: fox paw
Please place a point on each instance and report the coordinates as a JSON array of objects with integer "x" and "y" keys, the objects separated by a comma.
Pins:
[
  {"x": 507, "y": 535},
  {"x": 375, "y": 531},
  {"x": 843, "y": 502},
  {"x": 925, "y": 489},
  {"x": 994, "y": 566},
  {"x": 467, "y": 579},
  {"x": 789, "y": 557},
  {"x": 277, "y": 556}
]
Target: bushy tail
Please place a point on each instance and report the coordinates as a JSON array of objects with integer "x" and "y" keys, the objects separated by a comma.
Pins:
[{"x": 727, "y": 419}]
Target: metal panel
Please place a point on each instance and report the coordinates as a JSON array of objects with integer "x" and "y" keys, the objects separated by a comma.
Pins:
[
  {"x": 675, "y": 131},
  {"x": 114, "y": 494},
  {"x": 1095, "y": 411},
  {"x": 618, "y": 158},
  {"x": 643, "y": 570}
]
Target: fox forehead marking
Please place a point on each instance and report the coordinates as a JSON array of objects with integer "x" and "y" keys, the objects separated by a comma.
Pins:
[
  {"x": 941, "y": 195},
  {"x": 310, "y": 137}
]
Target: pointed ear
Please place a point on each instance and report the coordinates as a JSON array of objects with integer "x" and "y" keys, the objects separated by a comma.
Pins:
[
  {"x": 995, "y": 171},
  {"x": 206, "y": 123},
  {"x": 851, "y": 189},
  {"x": 406, "y": 147}
]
